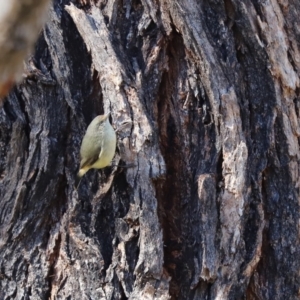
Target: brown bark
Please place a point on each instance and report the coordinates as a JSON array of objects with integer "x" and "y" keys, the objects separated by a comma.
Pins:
[
  {"x": 205, "y": 97},
  {"x": 20, "y": 23}
]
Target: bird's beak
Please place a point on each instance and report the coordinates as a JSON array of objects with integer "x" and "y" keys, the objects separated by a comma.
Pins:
[{"x": 106, "y": 116}]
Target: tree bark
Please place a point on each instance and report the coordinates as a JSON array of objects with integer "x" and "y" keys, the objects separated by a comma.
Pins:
[{"x": 205, "y": 98}]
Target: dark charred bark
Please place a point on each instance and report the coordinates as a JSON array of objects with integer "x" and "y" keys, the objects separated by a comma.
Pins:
[{"x": 205, "y": 97}]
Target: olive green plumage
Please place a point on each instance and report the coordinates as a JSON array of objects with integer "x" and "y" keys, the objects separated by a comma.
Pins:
[{"x": 98, "y": 146}]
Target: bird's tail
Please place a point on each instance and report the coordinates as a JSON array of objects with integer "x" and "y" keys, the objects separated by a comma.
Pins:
[
  {"x": 82, "y": 171},
  {"x": 79, "y": 176}
]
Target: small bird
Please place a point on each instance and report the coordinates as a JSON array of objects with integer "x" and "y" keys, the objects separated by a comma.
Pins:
[{"x": 98, "y": 146}]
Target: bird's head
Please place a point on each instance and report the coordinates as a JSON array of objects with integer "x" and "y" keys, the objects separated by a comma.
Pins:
[{"x": 101, "y": 119}]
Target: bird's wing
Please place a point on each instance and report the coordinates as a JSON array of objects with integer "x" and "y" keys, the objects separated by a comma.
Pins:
[
  {"x": 89, "y": 152},
  {"x": 88, "y": 161}
]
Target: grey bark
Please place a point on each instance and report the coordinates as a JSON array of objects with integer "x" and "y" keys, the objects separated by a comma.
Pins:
[{"x": 205, "y": 98}]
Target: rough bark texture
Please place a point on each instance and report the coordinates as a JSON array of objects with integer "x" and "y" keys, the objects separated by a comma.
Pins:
[{"x": 205, "y": 95}]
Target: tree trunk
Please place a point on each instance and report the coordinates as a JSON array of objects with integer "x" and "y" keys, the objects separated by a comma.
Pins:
[{"x": 205, "y": 98}]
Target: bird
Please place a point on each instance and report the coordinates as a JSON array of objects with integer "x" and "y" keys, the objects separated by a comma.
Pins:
[{"x": 98, "y": 145}]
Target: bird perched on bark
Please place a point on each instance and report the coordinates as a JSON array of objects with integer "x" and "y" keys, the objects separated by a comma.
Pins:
[
  {"x": 98, "y": 146},
  {"x": 20, "y": 24}
]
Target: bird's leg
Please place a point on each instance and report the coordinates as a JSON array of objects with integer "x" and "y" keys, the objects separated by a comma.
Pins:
[
  {"x": 122, "y": 126},
  {"x": 118, "y": 159}
]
